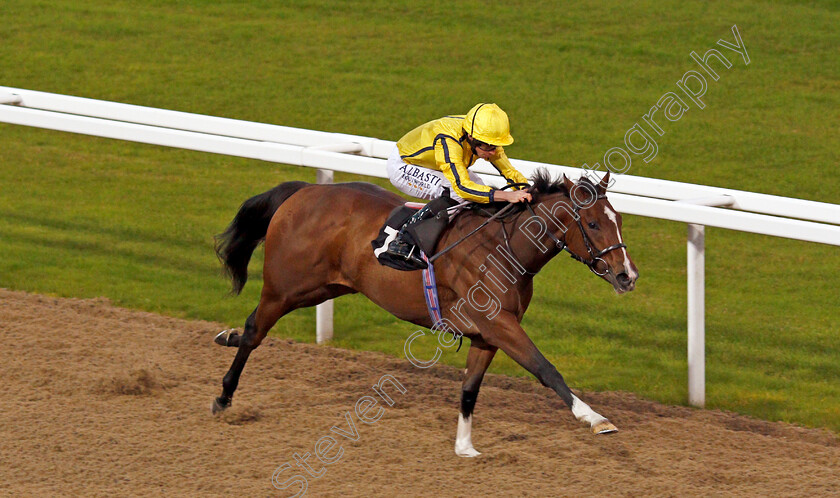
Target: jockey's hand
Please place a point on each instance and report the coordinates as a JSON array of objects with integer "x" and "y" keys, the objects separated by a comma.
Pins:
[{"x": 512, "y": 196}]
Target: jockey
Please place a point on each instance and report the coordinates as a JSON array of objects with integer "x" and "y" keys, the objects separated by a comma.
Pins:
[{"x": 433, "y": 159}]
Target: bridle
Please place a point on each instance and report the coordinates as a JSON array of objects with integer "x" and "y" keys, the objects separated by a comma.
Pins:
[
  {"x": 501, "y": 215},
  {"x": 594, "y": 257}
]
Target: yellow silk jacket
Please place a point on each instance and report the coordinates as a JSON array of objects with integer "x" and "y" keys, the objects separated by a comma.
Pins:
[{"x": 442, "y": 145}]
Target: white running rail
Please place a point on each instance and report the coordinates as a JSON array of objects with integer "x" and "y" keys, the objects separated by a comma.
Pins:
[{"x": 696, "y": 205}]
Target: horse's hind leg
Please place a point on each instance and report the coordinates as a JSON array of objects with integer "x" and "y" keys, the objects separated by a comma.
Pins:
[
  {"x": 256, "y": 327},
  {"x": 230, "y": 337},
  {"x": 478, "y": 359}
]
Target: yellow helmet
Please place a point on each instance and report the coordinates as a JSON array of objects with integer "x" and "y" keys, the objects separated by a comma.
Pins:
[{"x": 489, "y": 124}]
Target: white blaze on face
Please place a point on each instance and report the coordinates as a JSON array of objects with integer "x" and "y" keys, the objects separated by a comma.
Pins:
[{"x": 614, "y": 219}]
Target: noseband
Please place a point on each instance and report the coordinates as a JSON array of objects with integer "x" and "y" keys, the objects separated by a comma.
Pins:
[{"x": 594, "y": 257}]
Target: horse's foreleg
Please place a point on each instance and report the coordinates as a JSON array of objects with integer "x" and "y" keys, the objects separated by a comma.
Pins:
[
  {"x": 256, "y": 327},
  {"x": 478, "y": 359},
  {"x": 504, "y": 331}
]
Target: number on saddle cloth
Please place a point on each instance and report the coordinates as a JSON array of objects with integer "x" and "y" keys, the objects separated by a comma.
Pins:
[{"x": 388, "y": 233}]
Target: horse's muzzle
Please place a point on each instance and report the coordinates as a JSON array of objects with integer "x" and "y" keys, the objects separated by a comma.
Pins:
[{"x": 624, "y": 282}]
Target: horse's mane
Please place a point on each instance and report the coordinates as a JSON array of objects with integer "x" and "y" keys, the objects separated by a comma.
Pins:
[{"x": 545, "y": 184}]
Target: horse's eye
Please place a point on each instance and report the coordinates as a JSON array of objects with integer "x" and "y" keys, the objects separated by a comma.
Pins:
[{"x": 593, "y": 225}]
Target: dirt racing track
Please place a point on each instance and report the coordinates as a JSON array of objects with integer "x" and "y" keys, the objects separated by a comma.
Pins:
[{"x": 101, "y": 401}]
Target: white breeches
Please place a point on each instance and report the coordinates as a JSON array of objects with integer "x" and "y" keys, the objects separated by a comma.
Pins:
[{"x": 418, "y": 181}]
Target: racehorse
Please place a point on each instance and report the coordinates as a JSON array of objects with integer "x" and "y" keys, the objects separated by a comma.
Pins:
[{"x": 317, "y": 247}]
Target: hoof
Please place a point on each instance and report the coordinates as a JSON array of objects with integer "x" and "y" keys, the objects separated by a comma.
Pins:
[
  {"x": 224, "y": 337},
  {"x": 467, "y": 453},
  {"x": 219, "y": 405},
  {"x": 604, "y": 427}
]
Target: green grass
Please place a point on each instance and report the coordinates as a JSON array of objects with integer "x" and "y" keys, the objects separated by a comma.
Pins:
[{"x": 87, "y": 217}]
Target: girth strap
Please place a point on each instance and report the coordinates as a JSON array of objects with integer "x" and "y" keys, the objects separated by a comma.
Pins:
[{"x": 432, "y": 300}]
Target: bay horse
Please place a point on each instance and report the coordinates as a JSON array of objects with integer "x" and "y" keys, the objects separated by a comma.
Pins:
[{"x": 318, "y": 247}]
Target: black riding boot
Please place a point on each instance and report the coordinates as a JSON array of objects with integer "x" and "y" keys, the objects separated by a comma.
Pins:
[{"x": 403, "y": 246}]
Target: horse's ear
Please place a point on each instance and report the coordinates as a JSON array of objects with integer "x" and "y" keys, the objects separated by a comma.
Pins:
[
  {"x": 603, "y": 184},
  {"x": 568, "y": 183}
]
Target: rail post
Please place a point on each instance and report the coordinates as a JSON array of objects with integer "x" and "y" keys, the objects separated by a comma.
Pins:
[
  {"x": 696, "y": 277},
  {"x": 696, "y": 269},
  {"x": 324, "y": 311}
]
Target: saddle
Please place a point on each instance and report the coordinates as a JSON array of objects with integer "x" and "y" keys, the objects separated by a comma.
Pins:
[{"x": 424, "y": 233}]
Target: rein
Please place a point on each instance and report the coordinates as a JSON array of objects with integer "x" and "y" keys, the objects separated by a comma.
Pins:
[
  {"x": 591, "y": 262},
  {"x": 500, "y": 213}
]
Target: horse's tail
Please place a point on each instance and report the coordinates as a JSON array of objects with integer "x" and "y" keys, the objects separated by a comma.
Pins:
[{"x": 236, "y": 244}]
